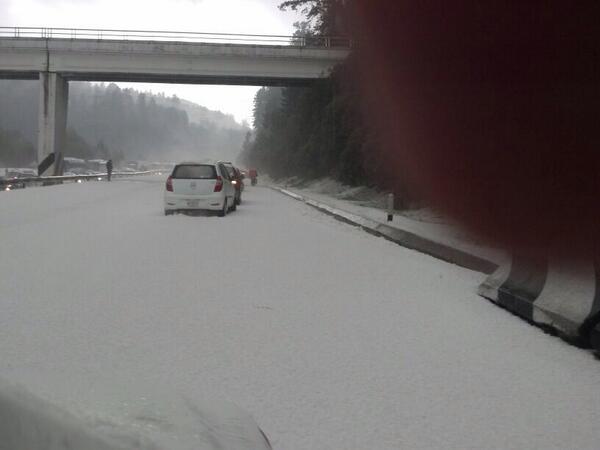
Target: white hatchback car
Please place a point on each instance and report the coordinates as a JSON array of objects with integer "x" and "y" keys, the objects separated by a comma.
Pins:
[{"x": 196, "y": 186}]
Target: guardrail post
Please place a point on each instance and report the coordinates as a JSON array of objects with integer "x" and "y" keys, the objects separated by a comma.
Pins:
[{"x": 390, "y": 207}]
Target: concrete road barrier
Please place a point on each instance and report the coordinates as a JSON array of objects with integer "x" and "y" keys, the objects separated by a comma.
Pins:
[{"x": 558, "y": 295}]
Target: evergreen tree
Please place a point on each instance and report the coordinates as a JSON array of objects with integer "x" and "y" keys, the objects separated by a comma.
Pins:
[{"x": 319, "y": 130}]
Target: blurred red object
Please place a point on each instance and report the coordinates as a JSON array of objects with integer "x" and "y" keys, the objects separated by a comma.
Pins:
[{"x": 491, "y": 109}]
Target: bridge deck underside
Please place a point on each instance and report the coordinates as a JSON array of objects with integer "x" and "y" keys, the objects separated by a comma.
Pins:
[{"x": 168, "y": 79}]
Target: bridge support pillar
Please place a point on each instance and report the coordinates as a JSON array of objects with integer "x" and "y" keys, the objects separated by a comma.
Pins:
[{"x": 52, "y": 123}]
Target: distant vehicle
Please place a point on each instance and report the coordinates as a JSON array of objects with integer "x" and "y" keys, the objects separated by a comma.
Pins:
[
  {"x": 77, "y": 171},
  {"x": 12, "y": 185},
  {"x": 74, "y": 165},
  {"x": 196, "y": 186},
  {"x": 96, "y": 165},
  {"x": 21, "y": 173},
  {"x": 160, "y": 166},
  {"x": 237, "y": 179},
  {"x": 253, "y": 176},
  {"x": 10, "y": 178}
]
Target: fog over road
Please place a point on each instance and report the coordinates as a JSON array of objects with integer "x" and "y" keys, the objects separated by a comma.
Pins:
[{"x": 331, "y": 338}]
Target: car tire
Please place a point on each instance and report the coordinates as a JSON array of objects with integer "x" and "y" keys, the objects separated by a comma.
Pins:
[
  {"x": 168, "y": 212},
  {"x": 223, "y": 212}
]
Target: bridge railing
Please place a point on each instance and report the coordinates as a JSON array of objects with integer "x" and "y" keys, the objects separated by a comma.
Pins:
[{"x": 173, "y": 36}]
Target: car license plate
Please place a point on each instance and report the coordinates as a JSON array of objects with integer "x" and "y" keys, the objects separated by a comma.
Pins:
[{"x": 192, "y": 203}]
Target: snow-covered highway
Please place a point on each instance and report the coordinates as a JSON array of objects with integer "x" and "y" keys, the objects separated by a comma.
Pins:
[{"x": 331, "y": 338}]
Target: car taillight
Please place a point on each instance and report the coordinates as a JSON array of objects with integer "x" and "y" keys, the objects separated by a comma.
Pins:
[
  {"x": 170, "y": 184},
  {"x": 219, "y": 184}
]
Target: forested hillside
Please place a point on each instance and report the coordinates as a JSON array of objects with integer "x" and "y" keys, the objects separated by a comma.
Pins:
[
  {"x": 200, "y": 114},
  {"x": 107, "y": 121},
  {"x": 319, "y": 131},
  {"x": 309, "y": 132}
]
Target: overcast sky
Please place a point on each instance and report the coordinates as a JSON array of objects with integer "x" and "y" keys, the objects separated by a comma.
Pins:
[{"x": 221, "y": 16}]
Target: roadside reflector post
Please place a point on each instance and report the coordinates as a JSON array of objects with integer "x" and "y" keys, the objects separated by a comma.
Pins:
[{"x": 390, "y": 207}]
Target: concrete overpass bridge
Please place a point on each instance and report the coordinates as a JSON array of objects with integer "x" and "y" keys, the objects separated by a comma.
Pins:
[{"x": 55, "y": 56}]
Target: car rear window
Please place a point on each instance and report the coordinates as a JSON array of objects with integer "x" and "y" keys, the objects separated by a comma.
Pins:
[{"x": 206, "y": 172}]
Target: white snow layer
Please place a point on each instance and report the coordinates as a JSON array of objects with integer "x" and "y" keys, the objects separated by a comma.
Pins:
[
  {"x": 331, "y": 338},
  {"x": 370, "y": 204}
]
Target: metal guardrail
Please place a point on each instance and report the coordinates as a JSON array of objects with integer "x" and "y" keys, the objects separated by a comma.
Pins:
[
  {"x": 173, "y": 36},
  {"x": 7, "y": 184}
]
